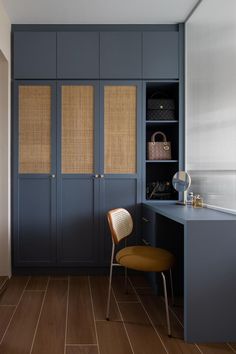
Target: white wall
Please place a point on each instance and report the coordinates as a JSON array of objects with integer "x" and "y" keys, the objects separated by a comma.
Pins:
[
  {"x": 211, "y": 101},
  {"x": 5, "y": 242}
]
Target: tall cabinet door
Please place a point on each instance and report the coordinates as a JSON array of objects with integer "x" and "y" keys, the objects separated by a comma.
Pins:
[
  {"x": 34, "y": 165},
  {"x": 78, "y": 162},
  {"x": 120, "y": 153}
]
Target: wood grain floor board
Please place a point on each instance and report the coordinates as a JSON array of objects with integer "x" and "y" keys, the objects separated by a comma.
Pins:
[
  {"x": 118, "y": 286},
  {"x": 81, "y": 350},
  {"x": 139, "y": 281},
  {"x": 99, "y": 289},
  {"x": 59, "y": 277},
  {"x": 215, "y": 348},
  {"x": 112, "y": 338},
  {"x": 13, "y": 291},
  {"x": 143, "y": 337},
  {"x": 154, "y": 305},
  {"x": 3, "y": 281},
  {"x": 19, "y": 336},
  {"x": 18, "y": 323},
  {"x": 50, "y": 336},
  {"x": 6, "y": 313},
  {"x": 37, "y": 283},
  {"x": 80, "y": 322}
]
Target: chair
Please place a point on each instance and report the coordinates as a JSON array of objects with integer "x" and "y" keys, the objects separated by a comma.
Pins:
[{"x": 142, "y": 258}]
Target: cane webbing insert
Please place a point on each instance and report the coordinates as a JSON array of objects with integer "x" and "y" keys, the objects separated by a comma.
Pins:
[
  {"x": 120, "y": 129},
  {"x": 34, "y": 129},
  {"x": 77, "y": 129}
]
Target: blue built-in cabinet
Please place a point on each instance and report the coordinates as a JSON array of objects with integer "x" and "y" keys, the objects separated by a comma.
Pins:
[
  {"x": 93, "y": 52},
  {"x": 160, "y": 55},
  {"x": 121, "y": 55},
  {"x": 34, "y": 55},
  {"x": 79, "y": 135},
  {"x": 78, "y": 55}
]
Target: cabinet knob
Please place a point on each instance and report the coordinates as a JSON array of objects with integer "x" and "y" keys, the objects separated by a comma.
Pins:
[
  {"x": 101, "y": 176},
  {"x": 96, "y": 176},
  {"x": 53, "y": 176}
]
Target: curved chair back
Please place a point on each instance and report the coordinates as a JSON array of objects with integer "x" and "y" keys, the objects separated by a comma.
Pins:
[{"x": 120, "y": 223}]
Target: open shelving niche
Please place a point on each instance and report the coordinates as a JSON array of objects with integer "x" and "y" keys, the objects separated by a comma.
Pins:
[{"x": 161, "y": 170}]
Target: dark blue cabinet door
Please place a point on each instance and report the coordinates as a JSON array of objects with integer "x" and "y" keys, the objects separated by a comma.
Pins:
[
  {"x": 160, "y": 55},
  {"x": 148, "y": 235},
  {"x": 34, "y": 178},
  {"x": 35, "y": 240},
  {"x": 120, "y": 111},
  {"x": 77, "y": 166},
  {"x": 120, "y": 55},
  {"x": 78, "y": 55},
  {"x": 34, "y": 55},
  {"x": 78, "y": 232}
]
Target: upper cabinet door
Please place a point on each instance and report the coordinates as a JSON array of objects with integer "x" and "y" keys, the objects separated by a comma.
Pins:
[
  {"x": 78, "y": 55},
  {"x": 120, "y": 55},
  {"x": 35, "y": 55},
  {"x": 160, "y": 55}
]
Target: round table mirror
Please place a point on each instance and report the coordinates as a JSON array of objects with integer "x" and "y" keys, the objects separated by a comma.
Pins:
[{"x": 181, "y": 181}]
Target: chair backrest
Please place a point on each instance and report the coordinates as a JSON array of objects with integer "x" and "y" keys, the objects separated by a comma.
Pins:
[{"x": 120, "y": 223}]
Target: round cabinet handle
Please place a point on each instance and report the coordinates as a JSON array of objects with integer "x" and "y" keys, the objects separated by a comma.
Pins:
[
  {"x": 53, "y": 176},
  {"x": 96, "y": 176},
  {"x": 102, "y": 176},
  {"x": 145, "y": 220}
]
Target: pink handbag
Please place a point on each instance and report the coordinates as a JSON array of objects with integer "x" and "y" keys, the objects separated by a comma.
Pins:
[{"x": 159, "y": 150}]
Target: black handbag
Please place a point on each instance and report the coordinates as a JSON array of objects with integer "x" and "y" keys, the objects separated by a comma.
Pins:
[
  {"x": 160, "y": 190},
  {"x": 160, "y": 108}
]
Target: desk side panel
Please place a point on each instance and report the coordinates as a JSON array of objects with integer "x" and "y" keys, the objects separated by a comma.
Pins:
[{"x": 210, "y": 281}]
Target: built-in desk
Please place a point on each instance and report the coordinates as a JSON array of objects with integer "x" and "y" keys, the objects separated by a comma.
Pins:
[{"x": 209, "y": 270}]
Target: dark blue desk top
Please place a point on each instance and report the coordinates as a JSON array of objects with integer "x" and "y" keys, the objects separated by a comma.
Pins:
[{"x": 183, "y": 214}]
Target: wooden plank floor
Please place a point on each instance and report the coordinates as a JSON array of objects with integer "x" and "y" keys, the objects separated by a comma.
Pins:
[{"x": 66, "y": 315}]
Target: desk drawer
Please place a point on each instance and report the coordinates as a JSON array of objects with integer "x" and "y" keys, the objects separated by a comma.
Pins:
[
  {"x": 148, "y": 237},
  {"x": 148, "y": 220}
]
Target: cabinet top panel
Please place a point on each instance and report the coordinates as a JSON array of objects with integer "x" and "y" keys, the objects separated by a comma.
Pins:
[{"x": 16, "y": 28}]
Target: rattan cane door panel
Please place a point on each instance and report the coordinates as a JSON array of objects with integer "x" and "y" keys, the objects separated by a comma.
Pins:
[
  {"x": 120, "y": 120},
  {"x": 34, "y": 129},
  {"x": 77, "y": 129}
]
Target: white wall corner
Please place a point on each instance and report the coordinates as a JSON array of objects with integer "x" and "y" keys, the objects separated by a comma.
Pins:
[{"x": 5, "y": 129}]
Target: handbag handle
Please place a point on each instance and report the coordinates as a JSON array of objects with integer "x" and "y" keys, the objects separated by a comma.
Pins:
[
  {"x": 160, "y": 94},
  {"x": 158, "y": 133}
]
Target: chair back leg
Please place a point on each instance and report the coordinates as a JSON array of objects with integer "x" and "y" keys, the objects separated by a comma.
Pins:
[
  {"x": 110, "y": 280},
  {"x": 172, "y": 288},
  {"x": 166, "y": 304}
]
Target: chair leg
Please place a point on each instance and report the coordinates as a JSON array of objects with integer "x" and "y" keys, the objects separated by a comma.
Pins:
[
  {"x": 126, "y": 280},
  {"x": 166, "y": 304},
  {"x": 172, "y": 288},
  {"x": 110, "y": 280}
]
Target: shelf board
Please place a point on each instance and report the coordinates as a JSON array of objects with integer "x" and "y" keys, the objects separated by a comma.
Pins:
[
  {"x": 161, "y": 161},
  {"x": 162, "y": 121},
  {"x": 159, "y": 201}
]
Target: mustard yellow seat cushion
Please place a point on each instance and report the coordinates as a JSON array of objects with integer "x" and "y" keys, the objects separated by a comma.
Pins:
[{"x": 145, "y": 258}]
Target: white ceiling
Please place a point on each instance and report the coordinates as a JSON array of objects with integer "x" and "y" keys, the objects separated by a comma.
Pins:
[{"x": 98, "y": 11}]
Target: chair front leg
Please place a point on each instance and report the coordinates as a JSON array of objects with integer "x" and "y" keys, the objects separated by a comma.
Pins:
[
  {"x": 166, "y": 304},
  {"x": 126, "y": 280},
  {"x": 110, "y": 280}
]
